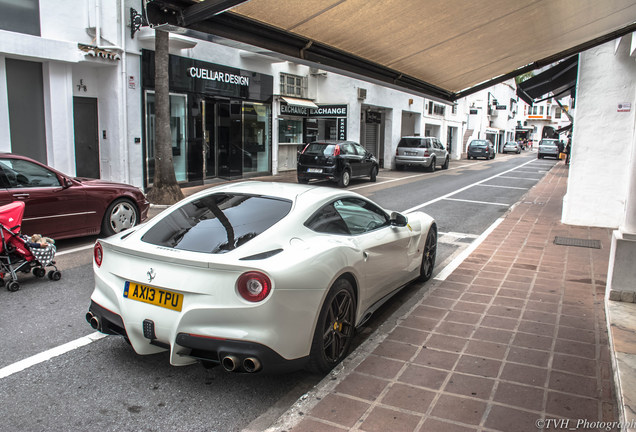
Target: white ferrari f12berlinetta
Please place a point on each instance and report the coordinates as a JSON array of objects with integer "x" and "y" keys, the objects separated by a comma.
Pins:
[{"x": 257, "y": 276}]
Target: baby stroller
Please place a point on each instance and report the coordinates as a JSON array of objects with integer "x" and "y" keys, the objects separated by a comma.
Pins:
[{"x": 15, "y": 252}]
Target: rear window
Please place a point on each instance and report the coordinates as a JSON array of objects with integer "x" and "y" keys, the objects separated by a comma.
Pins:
[
  {"x": 548, "y": 142},
  {"x": 478, "y": 143},
  {"x": 319, "y": 149},
  {"x": 412, "y": 142},
  {"x": 217, "y": 223}
]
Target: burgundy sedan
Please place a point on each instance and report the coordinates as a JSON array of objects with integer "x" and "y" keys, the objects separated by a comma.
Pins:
[{"x": 59, "y": 206}]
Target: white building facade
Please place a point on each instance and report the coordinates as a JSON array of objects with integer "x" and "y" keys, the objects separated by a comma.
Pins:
[
  {"x": 77, "y": 93},
  {"x": 492, "y": 114}
]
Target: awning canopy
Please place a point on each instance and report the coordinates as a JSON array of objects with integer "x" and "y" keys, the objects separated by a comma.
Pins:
[
  {"x": 305, "y": 103},
  {"x": 559, "y": 81},
  {"x": 442, "y": 49}
]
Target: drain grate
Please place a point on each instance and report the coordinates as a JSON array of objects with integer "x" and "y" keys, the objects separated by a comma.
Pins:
[{"x": 568, "y": 241}]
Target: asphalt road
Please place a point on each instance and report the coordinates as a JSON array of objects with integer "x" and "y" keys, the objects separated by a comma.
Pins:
[{"x": 56, "y": 375}]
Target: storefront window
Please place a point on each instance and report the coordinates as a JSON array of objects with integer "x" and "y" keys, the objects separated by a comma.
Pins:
[
  {"x": 290, "y": 131},
  {"x": 178, "y": 129},
  {"x": 321, "y": 129},
  {"x": 256, "y": 137}
]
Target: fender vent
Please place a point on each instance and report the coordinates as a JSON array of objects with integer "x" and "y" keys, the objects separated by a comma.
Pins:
[{"x": 262, "y": 255}]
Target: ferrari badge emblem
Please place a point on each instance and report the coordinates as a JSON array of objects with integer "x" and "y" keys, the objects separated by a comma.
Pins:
[{"x": 151, "y": 274}]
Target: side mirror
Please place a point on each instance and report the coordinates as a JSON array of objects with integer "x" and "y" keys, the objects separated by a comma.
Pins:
[
  {"x": 66, "y": 182},
  {"x": 398, "y": 219}
]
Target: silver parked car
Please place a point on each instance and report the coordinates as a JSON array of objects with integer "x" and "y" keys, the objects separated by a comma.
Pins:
[
  {"x": 511, "y": 146},
  {"x": 548, "y": 147},
  {"x": 427, "y": 152}
]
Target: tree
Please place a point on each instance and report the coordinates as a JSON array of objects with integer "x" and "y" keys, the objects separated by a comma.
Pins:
[{"x": 165, "y": 189}]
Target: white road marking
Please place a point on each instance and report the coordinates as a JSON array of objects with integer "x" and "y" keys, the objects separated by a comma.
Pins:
[
  {"x": 504, "y": 187},
  {"x": 77, "y": 249},
  {"x": 450, "y": 268},
  {"x": 519, "y": 178},
  {"x": 477, "y": 202},
  {"x": 49, "y": 354},
  {"x": 417, "y": 207}
]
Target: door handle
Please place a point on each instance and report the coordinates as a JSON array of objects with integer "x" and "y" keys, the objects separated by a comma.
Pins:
[
  {"x": 365, "y": 255},
  {"x": 20, "y": 195}
]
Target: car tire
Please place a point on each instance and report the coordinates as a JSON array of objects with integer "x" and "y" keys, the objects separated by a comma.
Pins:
[
  {"x": 303, "y": 181},
  {"x": 374, "y": 173},
  {"x": 399, "y": 167},
  {"x": 493, "y": 155},
  {"x": 429, "y": 254},
  {"x": 539, "y": 156},
  {"x": 121, "y": 214},
  {"x": 334, "y": 329},
  {"x": 445, "y": 166},
  {"x": 431, "y": 167},
  {"x": 345, "y": 178}
]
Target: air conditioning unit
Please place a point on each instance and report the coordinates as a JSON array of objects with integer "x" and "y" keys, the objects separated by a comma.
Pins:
[
  {"x": 317, "y": 72},
  {"x": 362, "y": 93}
]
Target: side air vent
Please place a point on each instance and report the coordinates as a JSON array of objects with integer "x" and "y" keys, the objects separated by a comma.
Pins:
[{"x": 262, "y": 255}]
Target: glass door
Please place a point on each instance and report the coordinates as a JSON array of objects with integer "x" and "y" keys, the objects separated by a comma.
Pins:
[
  {"x": 229, "y": 140},
  {"x": 256, "y": 138},
  {"x": 209, "y": 141},
  {"x": 179, "y": 136}
]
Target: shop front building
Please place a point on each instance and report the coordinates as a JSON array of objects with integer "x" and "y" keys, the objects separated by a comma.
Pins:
[{"x": 220, "y": 119}]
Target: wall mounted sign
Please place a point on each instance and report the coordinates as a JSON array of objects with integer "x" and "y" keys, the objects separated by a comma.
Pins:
[
  {"x": 624, "y": 107},
  {"x": 328, "y": 111},
  {"x": 195, "y": 76},
  {"x": 342, "y": 128},
  {"x": 321, "y": 111}
]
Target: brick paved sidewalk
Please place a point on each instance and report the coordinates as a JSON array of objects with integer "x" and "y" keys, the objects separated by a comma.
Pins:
[{"x": 516, "y": 334}]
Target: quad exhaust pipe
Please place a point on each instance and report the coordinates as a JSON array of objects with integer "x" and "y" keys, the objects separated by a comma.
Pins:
[
  {"x": 231, "y": 363},
  {"x": 251, "y": 364},
  {"x": 93, "y": 320}
]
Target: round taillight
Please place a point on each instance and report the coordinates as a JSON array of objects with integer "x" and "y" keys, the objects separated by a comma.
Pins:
[
  {"x": 98, "y": 254},
  {"x": 254, "y": 286}
]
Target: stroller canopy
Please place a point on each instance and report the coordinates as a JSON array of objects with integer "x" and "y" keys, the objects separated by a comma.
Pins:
[{"x": 11, "y": 216}]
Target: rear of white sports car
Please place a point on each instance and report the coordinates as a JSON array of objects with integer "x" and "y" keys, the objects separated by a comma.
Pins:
[{"x": 236, "y": 277}]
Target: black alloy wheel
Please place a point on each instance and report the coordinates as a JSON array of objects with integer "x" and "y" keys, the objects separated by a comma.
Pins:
[
  {"x": 430, "y": 252},
  {"x": 335, "y": 328}
]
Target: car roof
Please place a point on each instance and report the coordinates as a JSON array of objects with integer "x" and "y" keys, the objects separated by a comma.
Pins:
[
  {"x": 290, "y": 191},
  {"x": 328, "y": 142}
]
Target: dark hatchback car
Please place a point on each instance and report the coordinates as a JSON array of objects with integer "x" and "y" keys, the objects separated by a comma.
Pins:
[
  {"x": 481, "y": 148},
  {"x": 339, "y": 161},
  {"x": 59, "y": 206}
]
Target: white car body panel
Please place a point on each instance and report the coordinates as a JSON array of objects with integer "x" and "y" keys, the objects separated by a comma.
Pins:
[{"x": 379, "y": 261}]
